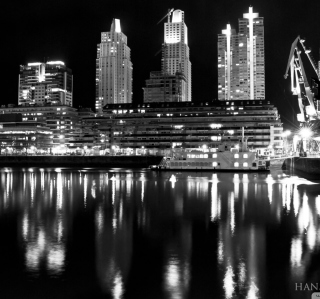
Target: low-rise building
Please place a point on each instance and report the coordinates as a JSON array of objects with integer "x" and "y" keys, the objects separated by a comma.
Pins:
[
  {"x": 166, "y": 127},
  {"x": 21, "y": 137},
  {"x": 62, "y": 120}
]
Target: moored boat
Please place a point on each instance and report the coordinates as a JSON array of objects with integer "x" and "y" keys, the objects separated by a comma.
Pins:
[{"x": 225, "y": 158}]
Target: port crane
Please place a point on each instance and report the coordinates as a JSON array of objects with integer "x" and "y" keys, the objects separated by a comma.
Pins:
[{"x": 309, "y": 106}]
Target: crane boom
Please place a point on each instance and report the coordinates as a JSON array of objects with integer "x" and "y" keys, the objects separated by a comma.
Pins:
[{"x": 298, "y": 77}]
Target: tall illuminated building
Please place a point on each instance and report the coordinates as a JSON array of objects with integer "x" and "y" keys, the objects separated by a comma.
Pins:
[
  {"x": 241, "y": 63},
  {"x": 45, "y": 83},
  {"x": 175, "y": 50},
  {"x": 113, "y": 68}
]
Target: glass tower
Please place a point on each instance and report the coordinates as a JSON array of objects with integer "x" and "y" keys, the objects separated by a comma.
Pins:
[
  {"x": 113, "y": 68},
  {"x": 44, "y": 83},
  {"x": 175, "y": 50}
]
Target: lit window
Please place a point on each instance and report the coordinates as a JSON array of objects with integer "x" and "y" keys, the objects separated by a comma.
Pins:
[
  {"x": 245, "y": 156},
  {"x": 214, "y": 155},
  {"x": 205, "y": 156},
  {"x": 236, "y": 164},
  {"x": 245, "y": 164},
  {"x": 214, "y": 164},
  {"x": 236, "y": 156}
]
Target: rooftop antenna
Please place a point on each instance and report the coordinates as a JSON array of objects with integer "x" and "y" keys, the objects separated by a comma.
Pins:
[{"x": 168, "y": 14}]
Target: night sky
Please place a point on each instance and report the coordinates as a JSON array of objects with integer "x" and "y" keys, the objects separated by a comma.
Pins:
[{"x": 34, "y": 31}]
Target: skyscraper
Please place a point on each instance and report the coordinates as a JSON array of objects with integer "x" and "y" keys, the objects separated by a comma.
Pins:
[
  {"x": 175, "y": 50},
  {"x": 241, "y": 71},
  {"x": 41, "y": 83},
  {"x": 113, "y": 68}
]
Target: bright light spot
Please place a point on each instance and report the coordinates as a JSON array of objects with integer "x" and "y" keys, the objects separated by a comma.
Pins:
[
  {"x": 296, "y": 252},
  {"x": 305, "y": 132},
  {"x": 228, "y": 283},
  {"x": 215, "y": 126}
]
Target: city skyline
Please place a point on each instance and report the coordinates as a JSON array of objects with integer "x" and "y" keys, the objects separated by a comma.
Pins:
[{"x": 79, "y": 23}]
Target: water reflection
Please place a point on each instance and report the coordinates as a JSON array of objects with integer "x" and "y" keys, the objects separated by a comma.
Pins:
[{"x": 242, "y": 229}]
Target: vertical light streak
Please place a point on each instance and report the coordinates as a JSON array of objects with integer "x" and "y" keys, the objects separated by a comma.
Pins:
[
  {"x": 142, "y": 190},
  {"x": 228, "y": 282},
  {"x": 25, "y": 225},
  {"x": 113, "y": 192},
  {"x": 99, "y": 219},
  {"x": 231, "y": 209},
  {"x": 215, "y": 202},
  {"x": 296, "y": 200},
  {"x": 296, "y": 252},
  {"x": 85, "y": 183},
  {"x": 59, "y": 191}
]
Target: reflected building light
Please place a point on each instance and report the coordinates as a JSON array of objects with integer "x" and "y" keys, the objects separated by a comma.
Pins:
[
  {"x": 25, "y": 226},
  {"x": 236, "y": 182},
  {"x": 245, "y": 185},
  {"x": 11, "y": 181},
  {"x": 60, "y": 229},
  {"x": 242, "y": 274},
  {"x": 113, "y": 192},
  {"x": 296, "y": 200},
  {"x": 304, "y": 215},
  {"x": 176, "y": 277},
  {"x": 220, "y": 251},
  {"x": 51, "y": 189},
  {"x": 121, "y": 213},
  {"x": 24, "y": 181},
  {"x": 270, "y": 181},
  {"x": 288, "y": 197},
  {"x": 231, "y": 209},
  {"x": 93, "y": 189},
  {"x": 68, "y": 184},
  {"x": 114, "y": 222},
  {"x": 80, "y": 178},
  {"x": 32, "y": 257},
  {"x": 101, "y": 181},
  {"x": 85, "y": 183},
  {"x": 317, "y": 201},
  {"x": 41, "y": 241},
  {"x": 129, "y": 184},
  {"x": 42, "y": 180},
  {"x": 142, "y": 190},
  {"x": 59, "y": 191},
  {"x": 7, "y": 186},
  {"x": 228, "y": 282},
  {"x": 253, "y": 292},
  {"x": 56, "y": 257},
  {"x": 118, "y": 288},
  {"x": 32, "y": 182},
  {"x": 296, "y": 252},
  {"x": 215, "y": 202},
  {"x": 99, "y": 219},
  {"x": 311, "y": 233}
]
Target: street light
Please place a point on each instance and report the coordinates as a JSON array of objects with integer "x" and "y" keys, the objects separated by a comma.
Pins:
[{"x": 305, "y": 134}]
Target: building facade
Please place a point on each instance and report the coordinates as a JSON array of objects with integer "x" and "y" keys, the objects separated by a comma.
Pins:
[
  {"x": 166, "y": 127},
  {"x": 175, "y": 50},
  {"x": 45, "y": 83},
  {"x": 163, "y": 87},
  {"x": 61, "y": 120},
  {"x": 20, "y": 137},
  {"x": 113, "y": 68},
  {"x": 241, "y": 62}
]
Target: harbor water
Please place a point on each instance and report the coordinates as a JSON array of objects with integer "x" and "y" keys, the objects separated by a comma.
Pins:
[{"x": 121, "y": 233}]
